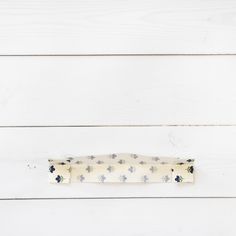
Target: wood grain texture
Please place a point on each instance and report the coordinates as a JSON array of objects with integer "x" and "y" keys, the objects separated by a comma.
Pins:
[
  {"x": 117, "y": 90},
  {"x": 119, "y": 217},
  {"x": 110, "y": 26},
  {"x": 24, "y": 153}
]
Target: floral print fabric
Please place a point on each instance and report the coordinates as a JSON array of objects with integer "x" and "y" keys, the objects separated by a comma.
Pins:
[{"x": 121, "y": 168}]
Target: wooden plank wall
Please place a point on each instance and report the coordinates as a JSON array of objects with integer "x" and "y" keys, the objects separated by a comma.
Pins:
[
  {"x": 95, "y": 77},
  {"x": 117, "y": 27}
]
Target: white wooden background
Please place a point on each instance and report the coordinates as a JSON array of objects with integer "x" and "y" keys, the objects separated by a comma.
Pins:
[{"x": 154, "y": 77}]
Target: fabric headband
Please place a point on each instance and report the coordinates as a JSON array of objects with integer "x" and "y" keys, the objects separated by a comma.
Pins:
[{"x": 121, "y": 168}]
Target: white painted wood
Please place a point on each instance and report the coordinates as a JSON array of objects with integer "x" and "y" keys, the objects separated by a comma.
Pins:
[
  {"x": 24, "y": 153},
  {"x": 117, "y": 90},
  {"x": 109, "y": 26},
  {"x": 180, "y": 217},
  {"x": 104, "y": 91}
]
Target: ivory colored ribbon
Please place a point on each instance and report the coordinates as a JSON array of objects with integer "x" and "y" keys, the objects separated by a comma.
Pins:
[{"x": 121, "y": 168}]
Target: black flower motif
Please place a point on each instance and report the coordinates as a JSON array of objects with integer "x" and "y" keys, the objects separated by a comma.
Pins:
[
  {"x": 180, "y": 163},
  {"x": 69, "y": 159},
  {"x": 62, "y": 163},
  {"x": 52, "y": 169},
  {"x": 190, "y": 169},
  {"x": 59, "y": 178},
  {"x": 179, "y": 178},
  {"x": 190, "y": 160}
]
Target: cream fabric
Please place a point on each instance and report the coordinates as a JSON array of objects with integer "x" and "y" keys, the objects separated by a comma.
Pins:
[{"x": 121, "y": 168}]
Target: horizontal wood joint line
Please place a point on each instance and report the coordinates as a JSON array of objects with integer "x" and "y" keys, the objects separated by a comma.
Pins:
[
  {"x": 118, "y": 54},
  {"x": 116, "y": 126},
  {"x": 111, "y": 198}
]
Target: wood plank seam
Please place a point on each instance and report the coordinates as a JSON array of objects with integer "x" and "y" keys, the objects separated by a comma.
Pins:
[
  {"x": 120, "y": 55},
  {"x": 112, "y": 198}
]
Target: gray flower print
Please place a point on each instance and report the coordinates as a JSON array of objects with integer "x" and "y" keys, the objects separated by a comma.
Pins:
[
  {"x": 100, "y": 162},
  {"x": 135, "y": 156},
  {"x": 142, "y": 162},
  {"x": 153, "y": 169},
  {"x": 81, "y": 178},
  {"x": 121, "y": 161},
  {"x": 145, "y": 179},
  {"x": 89, "y": 169},
  {"x": 155, "y": 158},
  {"x": 110, "y": 168},
  {"x": 131, "y": 169},
  {"x": 79, "y": 162},
  {"x": 113, "y": 156},
  {"x": 166, "y": 178},
  {"x": 123, "y": 178},
  {"x": 164, "y": 162},
  {"x": 102, "y": 178},
  {"x": 91, "y": 157}
]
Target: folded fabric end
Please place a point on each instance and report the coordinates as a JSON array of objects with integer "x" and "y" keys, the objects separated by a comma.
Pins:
[
  {"x": 59, "y": 172},
  {"x": 183, "y": 173}
]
